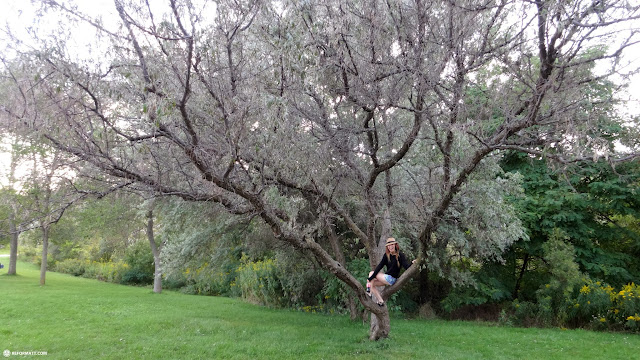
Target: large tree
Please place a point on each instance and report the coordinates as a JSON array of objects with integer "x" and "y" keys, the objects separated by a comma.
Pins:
[{"x": 378, "y": 116}]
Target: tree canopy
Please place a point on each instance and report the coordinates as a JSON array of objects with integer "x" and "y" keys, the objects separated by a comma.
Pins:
[{"x": 375, "y": 117}]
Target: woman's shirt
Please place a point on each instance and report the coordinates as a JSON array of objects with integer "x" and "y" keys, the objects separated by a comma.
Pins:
[{"x": 392, "y": 266}]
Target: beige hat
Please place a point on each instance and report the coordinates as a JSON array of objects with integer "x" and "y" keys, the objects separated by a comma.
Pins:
[{"x": 391, "y": 241}]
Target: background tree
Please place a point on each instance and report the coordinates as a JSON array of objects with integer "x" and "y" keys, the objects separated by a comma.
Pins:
[
  {"x": 588, "y": 205},
  {"x": 16, "y": 205},
  {"x": 156, "y": 248},
  {"x": 591, "y": 206},
  {"x": 340, "y": 113},
  {"x": 51, "y": 190}
]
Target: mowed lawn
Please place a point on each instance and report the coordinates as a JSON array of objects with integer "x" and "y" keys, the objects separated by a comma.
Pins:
[{"x": 75, "y": 318}]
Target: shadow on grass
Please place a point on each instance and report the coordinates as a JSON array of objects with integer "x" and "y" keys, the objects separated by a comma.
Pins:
[{"x": 5, "y": 275}]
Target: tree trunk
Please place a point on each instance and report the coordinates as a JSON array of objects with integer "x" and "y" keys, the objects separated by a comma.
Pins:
[
  {"x": 354, "y": 314},
  {"x": 516, "y": 290},
  {"x": 13, "y": 248},
  {"x": 380, "y": 325},
  {"x": 157, "y": 275},
  {"x": 45, "y": 251},
  {"x": 423, "y": 283}
]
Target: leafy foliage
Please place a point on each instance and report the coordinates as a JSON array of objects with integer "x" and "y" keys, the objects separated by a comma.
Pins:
[
  {"x": 139, "y": 259},
  {"x": 587, "y": 204},
  {"x": 104, "y": 271},
  {"x": 303, "y": 116}
]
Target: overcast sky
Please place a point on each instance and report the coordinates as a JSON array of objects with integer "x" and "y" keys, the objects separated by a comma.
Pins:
[{"x": 19, "y": 14}]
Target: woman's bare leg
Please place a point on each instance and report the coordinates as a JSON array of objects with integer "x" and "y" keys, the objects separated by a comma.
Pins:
[{"x": 378, "y": 281}]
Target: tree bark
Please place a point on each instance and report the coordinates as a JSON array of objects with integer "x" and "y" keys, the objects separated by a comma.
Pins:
[
  {"x": 155, "y": 249},
  {"x": 380, "y": 325},
  {"x": 13, "y": 251},
  {"x": 45, "y": 251}
]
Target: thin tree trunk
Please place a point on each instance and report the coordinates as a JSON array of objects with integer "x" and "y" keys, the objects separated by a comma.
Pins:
[
  {"x": 45, "y": 251},
  {"x": 423, "y": 281},
  {"x": 157, "y": 275},
  {"x": 516, "y": 290},
  {"x": 13, "y": 248}
]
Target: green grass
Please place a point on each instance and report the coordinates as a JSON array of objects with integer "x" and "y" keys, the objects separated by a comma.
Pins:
[{"x": 73, "y": 318}]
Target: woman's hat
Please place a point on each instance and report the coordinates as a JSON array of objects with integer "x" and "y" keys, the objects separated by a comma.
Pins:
[{"x": 391, "y": 241}]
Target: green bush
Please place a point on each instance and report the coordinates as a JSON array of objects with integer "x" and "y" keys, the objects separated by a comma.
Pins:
[
  {"x": 113, "y": 271},
  {"x": 302, "y": 283},
  {"x": 595, "y": 305},
  {"x": 174, "y": 281},
  {"x": 104, "y": 271},
  {"x": 335, "y": 293},
  {"x": 31, "y": 254},
  {"x": 207, "y": 280},
  {"x": 75, "y": 267},
  {"x": 525, "y": 313},
  {"x": 598, "y": 305},
  {"x": 259, "y": 283},
  {"x": 139, "y": 256},
  {"x": 550, "y": 308},
  {"x": 140, "y": 263},
  {"x": 136, "y": 277},
  {"x": 92, "y": 270},
  {"x": 628, "y": 305}
]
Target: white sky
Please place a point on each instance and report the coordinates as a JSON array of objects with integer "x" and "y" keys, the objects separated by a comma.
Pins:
[{"x": 5, "y": 161}]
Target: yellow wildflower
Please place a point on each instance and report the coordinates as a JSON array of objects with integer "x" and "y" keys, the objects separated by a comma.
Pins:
[{"x": 585, "y": 290}]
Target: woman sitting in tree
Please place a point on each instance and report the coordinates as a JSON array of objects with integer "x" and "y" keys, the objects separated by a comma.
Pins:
[{"x": 392, "y": 259}]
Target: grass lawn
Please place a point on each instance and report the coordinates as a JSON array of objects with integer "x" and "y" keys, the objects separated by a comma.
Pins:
[{"x": 76, "y": 318}]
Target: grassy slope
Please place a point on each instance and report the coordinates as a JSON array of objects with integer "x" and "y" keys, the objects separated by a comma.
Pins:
[{"x": 73, "y": 318}]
